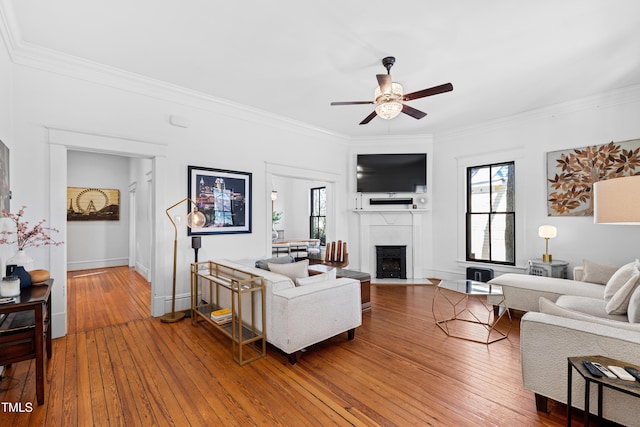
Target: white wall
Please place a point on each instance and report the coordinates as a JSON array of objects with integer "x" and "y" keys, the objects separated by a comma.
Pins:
[
  {"x": 526, "y": 139},
  {"x": 6, "y": 135},
  {"x": 218, "y": 137}
]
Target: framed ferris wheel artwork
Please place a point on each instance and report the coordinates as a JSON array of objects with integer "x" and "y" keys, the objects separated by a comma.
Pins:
[{"x": 93, "y": 204}]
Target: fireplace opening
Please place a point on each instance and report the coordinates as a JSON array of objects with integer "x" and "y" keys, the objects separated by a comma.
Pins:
[{"x": 391, "y": 262}]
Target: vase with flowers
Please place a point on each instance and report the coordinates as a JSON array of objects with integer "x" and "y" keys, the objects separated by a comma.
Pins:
[{"x": 25, "y": 236}]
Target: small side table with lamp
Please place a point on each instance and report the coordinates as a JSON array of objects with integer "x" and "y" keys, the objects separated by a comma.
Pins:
[{"x": 547, "y": 266}]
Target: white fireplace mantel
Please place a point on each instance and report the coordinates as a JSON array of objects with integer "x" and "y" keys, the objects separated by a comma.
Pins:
[{"x": 391, "y": 227}]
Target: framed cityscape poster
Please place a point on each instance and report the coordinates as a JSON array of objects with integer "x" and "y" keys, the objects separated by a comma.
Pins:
[{"x": 224, "y": 197}]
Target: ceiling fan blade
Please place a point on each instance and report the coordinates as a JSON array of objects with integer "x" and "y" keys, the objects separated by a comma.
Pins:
[
  {"x": 447, "y": 87},
  {"x": 410, "y": 111},
  {"x": 352, "y": 102},
  {"x": 369, "y": 117},
  {"x": 384, "y": 81}
]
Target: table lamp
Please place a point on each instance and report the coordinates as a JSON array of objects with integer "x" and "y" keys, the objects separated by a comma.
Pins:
[
  {"x": 195, "y": 218},
  {"x": 547, "y": 232},
  {"x": 617, "y": 201}
]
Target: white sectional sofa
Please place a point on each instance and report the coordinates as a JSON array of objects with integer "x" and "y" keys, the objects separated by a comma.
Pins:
[
  {"x": 299, "y": 316},
  {"x": 567, "y": 318},
  {"x": 522, "y": 291}
]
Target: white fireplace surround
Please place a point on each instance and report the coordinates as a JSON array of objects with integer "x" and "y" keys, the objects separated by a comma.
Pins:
[{"x": 391, "y": 227}]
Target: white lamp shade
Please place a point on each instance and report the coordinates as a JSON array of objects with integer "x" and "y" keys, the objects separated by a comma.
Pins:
[
  {"x": 617, "y": 201},
  {"x": 547, "y": 231}
]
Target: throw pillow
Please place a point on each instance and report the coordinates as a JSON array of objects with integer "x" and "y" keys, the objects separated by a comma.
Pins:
[
  {"x": 549, "y": 307},
  {"x": 620, "y": 301},
  {"x": 619, "y": 278},
  {"x": 292, "y": 270},
  {"x": 264, "y": 263},
  {"x": 597, "y": 273},
  {"x": 633, "y": 312},
  {"x": 329, "y": 275}
]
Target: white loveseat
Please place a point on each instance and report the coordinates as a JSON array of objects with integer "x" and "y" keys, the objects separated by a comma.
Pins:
[
  {"x": 568, "y": 322},
  {"x": 299, "y": 316}
]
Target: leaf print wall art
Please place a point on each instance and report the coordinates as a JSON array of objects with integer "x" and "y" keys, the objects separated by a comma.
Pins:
[{"x": 572, "y": 173}]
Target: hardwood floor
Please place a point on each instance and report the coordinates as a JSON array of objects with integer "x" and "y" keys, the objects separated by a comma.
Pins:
[{"x": 118, "y": 366}]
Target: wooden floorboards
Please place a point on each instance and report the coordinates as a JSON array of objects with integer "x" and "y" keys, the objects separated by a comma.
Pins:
[{"x": 118, "y": 366}]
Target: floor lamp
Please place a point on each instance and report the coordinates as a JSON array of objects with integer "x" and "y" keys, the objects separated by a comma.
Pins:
[
  {"x": 195, "y": 218},
  {"x": 617, "y": 201}
]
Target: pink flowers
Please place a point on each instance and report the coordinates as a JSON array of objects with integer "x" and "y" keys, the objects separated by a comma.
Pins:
[{"x": 25, "y": 237}]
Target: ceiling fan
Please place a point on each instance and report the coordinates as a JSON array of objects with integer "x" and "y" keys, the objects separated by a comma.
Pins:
[{"x": 388, "y": 96}]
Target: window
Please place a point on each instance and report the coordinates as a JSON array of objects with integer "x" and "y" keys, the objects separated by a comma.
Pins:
[
  {"x": 318, "y": 217},
  {"x": 490, "y": 213}
]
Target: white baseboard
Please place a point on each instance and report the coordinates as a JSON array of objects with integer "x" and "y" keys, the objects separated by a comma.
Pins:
[
  {"x": 96, "y": 263},
  {"x": 144, "y": 271}
]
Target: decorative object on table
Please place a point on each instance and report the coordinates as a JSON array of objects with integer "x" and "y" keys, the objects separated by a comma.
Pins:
[
  {"x": 617, "y": 201},
  {"x": 224, "y": 197},
  {"x": 21, "y": 258},
  {"x": 39, "y": 276},
  {"x": 19, "y": 272},
  {"x": 547, "y": 232},
  {"x": 195, "y": 218},
  {"x": 336, "y": 255},
  {"x": 572, "y": 173},
  {"x": 93, "y": 204},
  {"x": 5, "y": 192},
  {"x": 25, "y": 237},
  {"x": 10, "y": 286}
]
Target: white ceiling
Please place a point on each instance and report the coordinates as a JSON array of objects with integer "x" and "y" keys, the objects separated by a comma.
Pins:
[{"x": 293, "y": 57}]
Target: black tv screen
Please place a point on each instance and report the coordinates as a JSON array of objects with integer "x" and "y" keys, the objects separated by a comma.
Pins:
[{"x": 392, "y": 173}]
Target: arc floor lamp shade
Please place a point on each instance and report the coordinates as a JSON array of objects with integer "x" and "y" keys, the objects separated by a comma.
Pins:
[{"x": 617, "y": 201}]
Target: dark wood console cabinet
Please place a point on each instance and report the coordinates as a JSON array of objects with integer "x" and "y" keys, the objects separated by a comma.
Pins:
[{"x": 24, "y": 330}]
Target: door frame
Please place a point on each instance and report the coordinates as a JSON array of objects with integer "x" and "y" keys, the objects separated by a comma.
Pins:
[{"x": 60, "y": 142}]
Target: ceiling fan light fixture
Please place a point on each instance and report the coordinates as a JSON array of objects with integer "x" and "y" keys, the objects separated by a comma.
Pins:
[
  {"x": 389, "y": 110},
  {"x": 395, "y": 95},
  {"x": 388, "y": 105},
  {"x": 389, "y": 97}
]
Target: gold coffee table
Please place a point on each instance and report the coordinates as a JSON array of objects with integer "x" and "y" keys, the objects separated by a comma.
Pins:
[{"x": 464, "y": 312}]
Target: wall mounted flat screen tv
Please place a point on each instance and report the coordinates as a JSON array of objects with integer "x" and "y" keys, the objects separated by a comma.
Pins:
[{"x": 392, "y": 173}]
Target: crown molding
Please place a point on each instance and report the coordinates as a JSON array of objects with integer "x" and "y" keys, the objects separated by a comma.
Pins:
[
  {"x": 29, "y": 55},
  {"x": 8, "y": 28},
  {"x": 616, "y": 97}
]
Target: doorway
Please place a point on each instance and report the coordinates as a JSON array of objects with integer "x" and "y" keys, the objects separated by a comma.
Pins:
[
  {"x": 60, "y": 142},
  {"x": 297, "y": 220}
]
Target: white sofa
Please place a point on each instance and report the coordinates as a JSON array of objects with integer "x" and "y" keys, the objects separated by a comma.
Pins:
[
  {"x": 299, "y": 316},
  {"x": 571, "y": 319}
]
